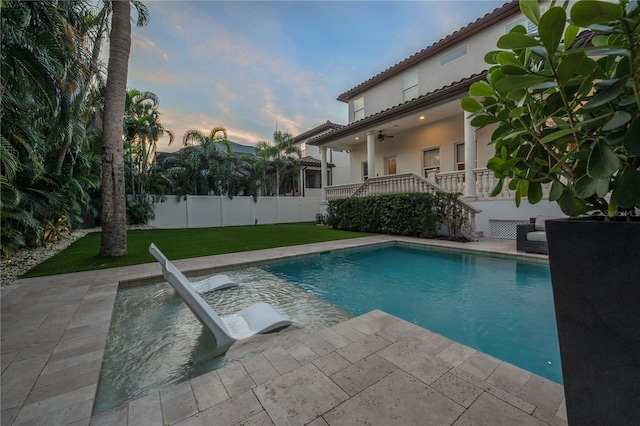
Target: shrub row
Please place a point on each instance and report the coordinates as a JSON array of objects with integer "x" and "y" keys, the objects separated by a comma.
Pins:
[{"x": 410, "y": 214}]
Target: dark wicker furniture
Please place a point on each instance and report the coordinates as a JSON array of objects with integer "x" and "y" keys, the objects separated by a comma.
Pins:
[{"x": 531, "y": 246}]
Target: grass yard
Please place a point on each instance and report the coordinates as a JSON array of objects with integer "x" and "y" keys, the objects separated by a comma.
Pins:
[{"x": 83, "y": 255}]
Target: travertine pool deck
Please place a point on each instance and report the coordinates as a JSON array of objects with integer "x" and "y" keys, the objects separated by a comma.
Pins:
[{"x": 372, "y": 369}]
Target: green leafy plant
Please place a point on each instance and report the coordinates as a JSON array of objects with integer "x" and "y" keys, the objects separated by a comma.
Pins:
[
  {"x": 565, "y": 106},
  {"x": 450, "y": 212},
  {"x": 411, "y": 214},
  {"x": 321, "y": 219},
  {"x": 140, "y": 208}
]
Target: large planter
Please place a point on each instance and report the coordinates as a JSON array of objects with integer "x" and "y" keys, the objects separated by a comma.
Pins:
[{"x": 595, "y": 272}]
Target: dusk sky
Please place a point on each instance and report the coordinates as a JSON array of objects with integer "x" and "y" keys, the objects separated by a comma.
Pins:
[{"x": 249, "y": 66}]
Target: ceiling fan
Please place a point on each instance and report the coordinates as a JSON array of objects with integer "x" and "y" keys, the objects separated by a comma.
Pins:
[{"x": 383, "y": 136}]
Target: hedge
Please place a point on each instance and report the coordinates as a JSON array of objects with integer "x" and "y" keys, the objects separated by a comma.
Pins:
[{"x": 411, "y": 214}]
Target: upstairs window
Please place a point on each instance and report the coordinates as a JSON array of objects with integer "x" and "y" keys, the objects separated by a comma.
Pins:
[
  {"x": 365, "y": 171},
  {"x": 530, "y": 26},
  {"x": 410, "y": 86},
  {"x": 458, "y": 53},
  {"x": 358, "y": 109}
]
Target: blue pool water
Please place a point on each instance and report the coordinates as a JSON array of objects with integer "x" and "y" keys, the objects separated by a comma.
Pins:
[{"x": 501, "y": 306}]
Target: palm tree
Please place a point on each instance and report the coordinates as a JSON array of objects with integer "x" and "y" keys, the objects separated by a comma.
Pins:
[
  {"x": 142, "y": 130},
  {"x": 113, "y": 240},
  {"x": 44, "y": 63},
  {"x": 217, "y": 137},
  {"x": 281, "y": 156}
]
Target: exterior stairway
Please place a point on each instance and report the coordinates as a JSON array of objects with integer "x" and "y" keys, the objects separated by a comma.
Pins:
[{"x": 403, "y": 183}]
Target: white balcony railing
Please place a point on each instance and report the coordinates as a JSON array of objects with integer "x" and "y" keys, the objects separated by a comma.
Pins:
[
  {"x": 448, "y": 182},
  {"x": 485, "y": 182}
]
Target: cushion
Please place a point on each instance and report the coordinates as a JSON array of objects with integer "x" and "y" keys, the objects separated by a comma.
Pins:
[
  {"x": 540, "y": 226},
  {"x": 537, "y": 236}
]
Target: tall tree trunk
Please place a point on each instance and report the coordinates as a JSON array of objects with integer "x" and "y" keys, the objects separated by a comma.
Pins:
[{"x": 114, "y": 214}]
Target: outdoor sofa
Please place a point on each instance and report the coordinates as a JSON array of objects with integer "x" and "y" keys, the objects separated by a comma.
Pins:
[{"x": 532, "y": 237}]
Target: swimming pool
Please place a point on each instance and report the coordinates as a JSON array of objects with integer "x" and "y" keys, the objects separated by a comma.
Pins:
[{"x": 500, "y": 305}]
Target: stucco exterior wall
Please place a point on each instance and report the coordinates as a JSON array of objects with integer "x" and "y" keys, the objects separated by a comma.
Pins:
[{"x": 432, "y": 74}]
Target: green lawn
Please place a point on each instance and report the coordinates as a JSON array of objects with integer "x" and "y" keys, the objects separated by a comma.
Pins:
[{"x": 83, "y": 255}]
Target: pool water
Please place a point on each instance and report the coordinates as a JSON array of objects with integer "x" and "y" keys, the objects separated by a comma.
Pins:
[
  {"x": 154, "y": 336},
  {"x": 502, "y": 306}
]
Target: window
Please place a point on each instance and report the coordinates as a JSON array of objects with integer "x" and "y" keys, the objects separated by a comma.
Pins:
[
  {"x": 303, "y": 149},
  {"x": 365, "y": 171},
  {"x": 459, "y": 155},
  {"x": 410, "y": 86},
  {"x": 313, "y": 178},
  {"x": 431, "y": 161},
  {"x": 530, "y": 26},
  {"x": 358, "y": 108},
  {"x": 391, "y": 165},
  {"x": 458, "y": 53}
]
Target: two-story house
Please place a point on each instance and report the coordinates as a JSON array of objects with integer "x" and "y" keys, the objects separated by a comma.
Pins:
[{"x": 406, "y": 124}]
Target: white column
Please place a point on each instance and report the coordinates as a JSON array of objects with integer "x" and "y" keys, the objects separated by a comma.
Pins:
[
  {"x": 469, "y": 156},
  {"x": 371, "y": 154},
  {"x": 323, "y": 172}
]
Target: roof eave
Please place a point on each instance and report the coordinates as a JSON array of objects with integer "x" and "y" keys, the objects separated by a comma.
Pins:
[
  {"x": 432, "y": 98},
  {"x": 464, "y": 33}
]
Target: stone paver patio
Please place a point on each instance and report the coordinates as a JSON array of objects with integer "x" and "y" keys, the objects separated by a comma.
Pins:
[{"x": 372, "y": 369}]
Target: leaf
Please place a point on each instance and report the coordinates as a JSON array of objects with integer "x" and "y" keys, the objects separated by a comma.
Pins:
[
  {"x": 556, "y": 191},
  {"x": 567, "y": 203},
  {"x": 586, "y": 13},
  {"x": 570, "y": 34},
  {"x": 602, "y": 187},
  {"x": 517, "y": 82},
  {"x": 512, "y": 70},
  {"x": 603, "y": 162},
  {"x": 585, "y": 186},
  {"x": 480, "y": 88},
  {"x": 483, "y": 120},
  {"x": 497, "y": 189},
  {"x": 531, "y": 9},
  {"x": 606, "y": 95},
  {"x": 631, "y": 140},
  {"x": 516, "y": 41},
  {"x": 556, "y": 135},
  {"x": 568, "y": 67},
  {"x": 534, "y": 194},
  {"x": 490, "y": 57},
  {"x": 516, "y": 112},
  {"x": 626, "y": 190},
  {"x": 470, "y": 105},
  {"x": 551, "y": 28},
  {"x": 507, "y": 58},
  {"x": 619, "y": 119},
  {"x": 606, "y": 51}
]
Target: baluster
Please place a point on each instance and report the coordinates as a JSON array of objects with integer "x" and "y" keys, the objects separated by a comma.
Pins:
[{"x": 486, "y": 190}]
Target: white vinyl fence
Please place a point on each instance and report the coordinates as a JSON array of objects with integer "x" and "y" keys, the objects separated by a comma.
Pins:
[{"x": 203, "y": 211}]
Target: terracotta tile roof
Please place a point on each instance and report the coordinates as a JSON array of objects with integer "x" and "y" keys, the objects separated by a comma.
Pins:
[
  {"x": 328, "y": 125},
  {"x": 439, "y": 95},
  {"x": 463, "y": 33},
  {"x": 310, "y": 161}
]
